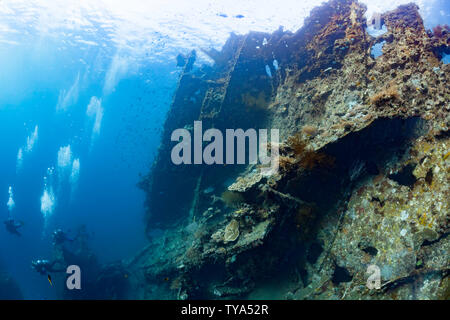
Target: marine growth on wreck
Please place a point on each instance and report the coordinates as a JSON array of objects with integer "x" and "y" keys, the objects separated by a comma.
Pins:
[
  {"x": 364, "y": 171},
  {"x": 354, "y": 108}
]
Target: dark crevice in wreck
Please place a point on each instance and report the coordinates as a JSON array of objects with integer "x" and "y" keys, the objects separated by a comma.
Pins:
[
  {"x": 429, "y": 243},
  {"x": 340, "y": 275},
  {"x": 405, "y": 176},
  {"x": 357, "y": 155},
  {"x": 314, "y": 252},
  {"x": 370, "y": 250}
]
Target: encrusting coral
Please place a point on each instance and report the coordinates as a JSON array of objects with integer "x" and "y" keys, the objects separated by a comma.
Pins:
[{"x": 231, "y": 231}]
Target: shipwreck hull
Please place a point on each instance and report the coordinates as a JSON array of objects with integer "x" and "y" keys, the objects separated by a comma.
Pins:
[{"x": 363, "y": 177}]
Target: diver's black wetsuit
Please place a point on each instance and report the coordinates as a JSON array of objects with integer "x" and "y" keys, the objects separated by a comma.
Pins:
[
  {"x": 45, "y": 267},
  {"x": 12, "y": 226},
  {"x": 59, "y": 237}
]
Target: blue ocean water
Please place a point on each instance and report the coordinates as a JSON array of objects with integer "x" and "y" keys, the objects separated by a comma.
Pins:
[
  {"x": 446, "y": 58},
  {"x": 377, "y": 49},
  {"x": 82, "y": 107},
  {"x": 113, "y": 148}
]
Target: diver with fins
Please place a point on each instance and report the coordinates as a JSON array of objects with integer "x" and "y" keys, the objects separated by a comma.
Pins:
[
  {"x": 44, "y": 266},
  {"x": 13, "y": 226},
  {"x": 59, "y": 237}
]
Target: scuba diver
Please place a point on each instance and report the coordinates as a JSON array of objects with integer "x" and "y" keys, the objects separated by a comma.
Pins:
[
  {"x": 59, "y": 237},
  {"x": 44, "y": 266},
  {"x": 13, "y": 226}
]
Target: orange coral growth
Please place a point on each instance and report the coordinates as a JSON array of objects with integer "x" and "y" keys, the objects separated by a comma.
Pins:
[
  {"x": 306, "y": 158},
  {"x": 297, "y": 144},
  {"x": 388, "y": 94},
  {"x": 285, "y": 163}
]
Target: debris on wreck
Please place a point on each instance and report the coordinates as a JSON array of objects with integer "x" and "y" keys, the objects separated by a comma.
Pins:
[{"x": 231, "y": 231}]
